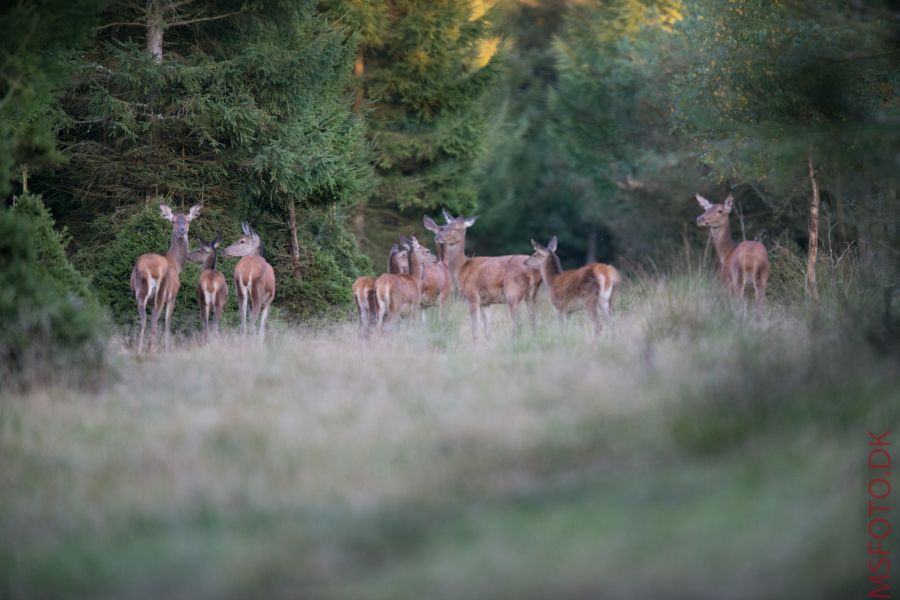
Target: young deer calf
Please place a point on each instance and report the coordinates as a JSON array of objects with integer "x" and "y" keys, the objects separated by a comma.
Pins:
[
  {"x": 157, "y": 276},
  {"x": 398, "y": 294},
  {"x": 212, "y": 291},
  {"x": 589, "y": 287},
  {"x": 364, "y": 289},
  {"x": 254, "y": 280},
  {"x": 738, "y": 264}
]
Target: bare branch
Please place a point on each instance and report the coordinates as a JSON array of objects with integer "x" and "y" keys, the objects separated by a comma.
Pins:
[{"x": 203, "y": 19}]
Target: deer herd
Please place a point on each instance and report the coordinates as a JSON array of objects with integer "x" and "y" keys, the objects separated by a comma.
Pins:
[{"x": 416, "y": 278}]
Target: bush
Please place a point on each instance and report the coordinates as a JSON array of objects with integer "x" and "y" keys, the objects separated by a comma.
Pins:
[{"x": 51, "y": 327}]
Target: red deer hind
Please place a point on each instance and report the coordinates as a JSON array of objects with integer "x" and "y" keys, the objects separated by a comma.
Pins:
[
  {"x": 399, "y": 294},
  {"x": 437, "y": 283},
  {"x": 487, "y": 280},
  {"x": 739, "y": 264},
  {"x": 254, "y": 280},
  {"x": 156, "y": 276},
  {"x": 212, "y": 290},
  {"x": 589, "y": 287},
  {"x": 364, "y": 289}
]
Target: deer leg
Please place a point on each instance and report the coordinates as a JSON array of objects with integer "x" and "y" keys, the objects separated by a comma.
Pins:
[
  {"x": 474, "y": 309},
  {"x": 595, "y": 318},
  {"x": 170, "y": 308},
  {"x": 532, "y": 312},
  {"x": 563, "y": 317},
  {"x": 204, "y": 317},
  {"x": 514, "y": 317},
  {"x": 254, "y": 315},
  {"x": 262, "y": 322},
  {"x": 243, "y": 300},
  {"x": 142, "y": 315},
  {"x": 486, "y": 323},
  {"x": 154, "y": 319}
]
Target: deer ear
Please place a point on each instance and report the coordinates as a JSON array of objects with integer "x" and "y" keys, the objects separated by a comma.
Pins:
[
  {"x": 395, "y": 249},
  {"x": 245, "y": 229},
  {"x": 729, "y": 203},
  {"x": 194, "y": 212},
  {"x": 447, "y": 216},
  {"x": 703, "y": 202},
  {"x": 217, "y": 240},
  {"x": 552, "y": 245},
  {"x": 430, "y": 225},
  {"x": 470, "y": 221},
  {"x": 166, "y": 212}
]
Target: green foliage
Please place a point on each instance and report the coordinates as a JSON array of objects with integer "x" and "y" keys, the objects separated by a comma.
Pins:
[
  {"x": 248, "y": 115},
  {"x": 38, "y": 41},
  {"x": 427, "y": 67},
  {"x": 51, "y": 328}
]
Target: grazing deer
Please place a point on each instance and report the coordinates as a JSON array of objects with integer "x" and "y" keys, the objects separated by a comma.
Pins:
[
  {"x": 212, "y": 291},
  {"x": 364, "y": 289},
  {"x": 487, "y": 280},
  {"x": 437, "y": 283},
  {"x": 589, "y": 287},
  {"x": 254, "y": 280},
  {"x": 747, "y": 262},
  {"x": 157, "y": 276},
  {"x": 398, "y": 294}
]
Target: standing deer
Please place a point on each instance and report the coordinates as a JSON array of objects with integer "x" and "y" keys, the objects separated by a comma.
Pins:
[
  {"x": 254, "y": 280},
  {"x": 398, "y": 294},
  {"x": 487, "y": 280},
  {"x": 212, "y": 291},
  {"x": 437, "y": 283},
  {"x": 589, "y": 287},
  {"x": 157, "y": 276},
  {"x": 738, "y": 264},
  {"x": 364, "y": 289}
]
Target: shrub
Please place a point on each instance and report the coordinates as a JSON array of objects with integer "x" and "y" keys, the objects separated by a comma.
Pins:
[{"x": 51, "y": 327}]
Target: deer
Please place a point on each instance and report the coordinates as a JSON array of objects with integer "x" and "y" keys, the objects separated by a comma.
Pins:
[
  {"x": 588, "y": 287},
  {"x": 437, "y": 284},
  {"x": 212, "y": 290},
  {"x": 739, "y": 264},
  {"x": 398, "y": 294},
  {"x": 364, "y": 289},
  {"x": 254, "y": 280},
  {"x": 157, "y": 276},
  {"x": 487, "y": 280}
]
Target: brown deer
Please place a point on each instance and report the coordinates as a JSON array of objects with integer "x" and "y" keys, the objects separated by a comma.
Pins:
[
  {"x": 398, "y": 294},
  {"x": 364, "y": 289},
  {"x": 212, "y": 291},
  {"x": 157, "y": 276},
  {"x": 589, "y": 287},
  {"x": 739, "y": 264},
  {"x": 254, "y": 280},
  {"x": 437, "y": 284},
  {"x": 487, "y": 280}
]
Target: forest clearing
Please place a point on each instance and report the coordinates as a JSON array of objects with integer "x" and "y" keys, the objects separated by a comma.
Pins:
[{"x": 449, "y": 299}]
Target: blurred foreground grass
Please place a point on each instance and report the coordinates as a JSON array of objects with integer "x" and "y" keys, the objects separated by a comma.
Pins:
[{"x": 691, "y": 452}]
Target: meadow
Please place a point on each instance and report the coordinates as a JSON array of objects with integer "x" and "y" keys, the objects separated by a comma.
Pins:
[{"x": 694, "y": 450}]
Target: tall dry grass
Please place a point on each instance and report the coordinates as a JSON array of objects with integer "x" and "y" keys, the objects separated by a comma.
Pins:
[{"x": 696, "y": 449}]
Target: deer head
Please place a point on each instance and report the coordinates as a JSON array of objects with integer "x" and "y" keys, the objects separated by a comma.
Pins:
[
  {"x": 180, "y": 222},
  {"x": 206, "y": 254},
  {"x": 398, "y": 260},
  {"x": 714, "y": 215},
  {"x": 453, "y": 231},
  {"x": 417, "y": 253},
  {"x": 247, "y": 245},
  {"x": 542, "y": 253}
]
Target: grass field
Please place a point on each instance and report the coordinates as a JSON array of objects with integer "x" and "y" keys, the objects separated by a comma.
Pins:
[{"x": 690, "y": 452}]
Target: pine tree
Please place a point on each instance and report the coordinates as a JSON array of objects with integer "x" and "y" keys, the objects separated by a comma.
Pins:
[{"x": 246, "y": 111}]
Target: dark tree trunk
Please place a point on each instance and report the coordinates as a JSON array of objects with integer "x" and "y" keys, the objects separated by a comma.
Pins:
[
  {"x": 295, "y": 243},
  {"x": 813, "y": 251}
]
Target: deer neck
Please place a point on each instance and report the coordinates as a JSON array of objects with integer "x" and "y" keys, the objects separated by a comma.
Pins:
[
  {"x": 178, "y": 251},
  {"x": 550, "y": 270},
  {"x": 416, "y": 269},
  {"x": 210, "y": 263},
  {"x": 454, "y": 256},
  {"x": 442, "y": 254},
  {"x": 721, "y": 236}
]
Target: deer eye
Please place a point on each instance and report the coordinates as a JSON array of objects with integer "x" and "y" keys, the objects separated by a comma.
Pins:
[{"x": 243, "y": 241}]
